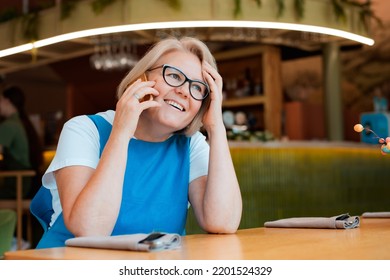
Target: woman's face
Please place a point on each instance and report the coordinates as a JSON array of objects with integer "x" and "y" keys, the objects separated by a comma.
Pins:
[{"x": 178, "y": 107}]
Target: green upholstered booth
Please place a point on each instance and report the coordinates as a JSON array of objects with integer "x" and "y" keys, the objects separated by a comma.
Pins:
[{"x": 301, "y": 179}]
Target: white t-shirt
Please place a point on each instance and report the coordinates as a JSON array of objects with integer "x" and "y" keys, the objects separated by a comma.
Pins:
[{"x": 79, "y": 145}]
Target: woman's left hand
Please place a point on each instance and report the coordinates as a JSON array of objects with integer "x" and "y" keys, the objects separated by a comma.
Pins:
[
  {"x": 216, "y": 198},
  {"x": 213, "y": 115}
]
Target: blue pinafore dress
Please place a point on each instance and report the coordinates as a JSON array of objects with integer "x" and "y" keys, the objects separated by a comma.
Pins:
[{"x": 155, "y": 189}]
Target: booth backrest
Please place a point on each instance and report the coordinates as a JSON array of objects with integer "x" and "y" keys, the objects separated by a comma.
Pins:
[{"x": 298, "y": 181}]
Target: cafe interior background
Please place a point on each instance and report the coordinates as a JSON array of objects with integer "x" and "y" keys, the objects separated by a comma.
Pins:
[{"x": 292, "y": 95}]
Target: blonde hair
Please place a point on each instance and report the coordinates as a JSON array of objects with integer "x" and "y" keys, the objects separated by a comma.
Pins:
[{"x": 185, "y": 44}]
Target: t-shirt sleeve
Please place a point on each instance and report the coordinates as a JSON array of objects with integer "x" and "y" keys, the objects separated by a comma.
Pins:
[
  {"x": 78, "y": 145},
  {"x": 199, "y": 156}
]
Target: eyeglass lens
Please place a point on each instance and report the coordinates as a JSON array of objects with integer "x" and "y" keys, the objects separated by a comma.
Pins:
[{"x": 175, "y": 78}]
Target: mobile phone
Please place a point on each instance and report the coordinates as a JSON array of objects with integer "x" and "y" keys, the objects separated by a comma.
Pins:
[
  {"x": 153, "y": 240},
  {"x": 144, "y": 78}
]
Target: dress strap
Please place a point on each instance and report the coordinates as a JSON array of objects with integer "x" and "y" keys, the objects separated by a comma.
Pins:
[{"x": 104, "y": 128}]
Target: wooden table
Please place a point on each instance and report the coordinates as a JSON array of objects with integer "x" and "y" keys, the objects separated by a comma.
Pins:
[{"x": 371, "y": 241}]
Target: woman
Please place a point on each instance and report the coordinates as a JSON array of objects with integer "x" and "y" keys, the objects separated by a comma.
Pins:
[
  {"x": 19, "y": 141},
  {"x": 153, "y": 158}
]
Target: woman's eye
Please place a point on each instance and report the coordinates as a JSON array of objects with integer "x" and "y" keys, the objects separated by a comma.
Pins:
[
  {"x": 196, "y": 87},
  {"x": 175, "y": 76}
]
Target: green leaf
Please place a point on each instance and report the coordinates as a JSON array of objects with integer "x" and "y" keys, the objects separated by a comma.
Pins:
[
  {"x": 30, "y": 24},
  {"x": 174, "y": 4},
  {"x": 98, "y": 6},
  {"x": 67, "y": 7},
  {"x": 299, "y": 6},
  {"x": 339, "y": 11},
  {"x": 8, "y": 14},
  {"x": 281, "y": 7},
  {"x": 237, "y": 8}
]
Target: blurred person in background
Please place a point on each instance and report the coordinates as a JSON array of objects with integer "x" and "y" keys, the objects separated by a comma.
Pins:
[{"x": 20, "y": 145}]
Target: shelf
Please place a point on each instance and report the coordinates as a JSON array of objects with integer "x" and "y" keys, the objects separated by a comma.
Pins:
[
  {"x": 262, "y": 64},
  {"x": 244, "y": 101}
]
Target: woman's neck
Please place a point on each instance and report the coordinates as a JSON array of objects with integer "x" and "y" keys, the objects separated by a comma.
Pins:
[{"x": 148, "y": 131}]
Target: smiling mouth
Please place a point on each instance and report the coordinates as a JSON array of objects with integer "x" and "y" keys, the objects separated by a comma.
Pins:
[{"x": 175, "y": 105}]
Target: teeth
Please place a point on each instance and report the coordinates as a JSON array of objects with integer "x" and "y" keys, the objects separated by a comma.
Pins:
[{"x": 174, "y": 104}]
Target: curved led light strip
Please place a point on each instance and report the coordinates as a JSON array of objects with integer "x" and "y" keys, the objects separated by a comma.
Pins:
[{"x": 187, "y": 24}]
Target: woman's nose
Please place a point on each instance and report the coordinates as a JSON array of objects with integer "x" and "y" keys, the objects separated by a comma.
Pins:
[{"x": 184, "y": 89}]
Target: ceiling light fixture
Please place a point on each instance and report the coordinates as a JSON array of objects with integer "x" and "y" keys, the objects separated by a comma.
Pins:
[
  {"x": 187, "y": 24},
  {"x": 113, "y": 53}
]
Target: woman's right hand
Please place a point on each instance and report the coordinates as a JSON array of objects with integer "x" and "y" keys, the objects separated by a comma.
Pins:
[
  {"x": 129, "y": 107},
  {"x": 83, "y": 190}
]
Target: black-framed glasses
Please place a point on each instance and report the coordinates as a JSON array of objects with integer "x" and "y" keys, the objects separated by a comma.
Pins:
[{"x": 174, "y": 77}]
